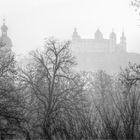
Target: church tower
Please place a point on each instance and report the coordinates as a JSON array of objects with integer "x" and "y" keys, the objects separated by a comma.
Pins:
[
  {"x": 112, "y": 42},
  {"x": 123, "y": 43},
  {"x": 75, "y": 36},
  {"x": 5, "y": 41},
  {"x": 76, "y": 39},
  {"x": 98, "y": 35}
]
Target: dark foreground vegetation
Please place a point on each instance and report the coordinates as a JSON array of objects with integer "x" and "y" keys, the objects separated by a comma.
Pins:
[{"x": 48, "y": 100}]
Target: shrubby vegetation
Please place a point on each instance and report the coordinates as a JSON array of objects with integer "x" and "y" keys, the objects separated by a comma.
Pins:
[{"x": 49, "y": 100}]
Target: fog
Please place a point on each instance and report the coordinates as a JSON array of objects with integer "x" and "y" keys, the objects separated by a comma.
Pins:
[
  {"x": 30, "y": 21},
  {"x": 69, "y": 70}
]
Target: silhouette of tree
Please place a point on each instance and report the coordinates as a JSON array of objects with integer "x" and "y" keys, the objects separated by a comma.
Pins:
[
  {"x": 57, "y": 93},
  {"x": 11, "y": 107},
  {"x": 120, "y": 119}
]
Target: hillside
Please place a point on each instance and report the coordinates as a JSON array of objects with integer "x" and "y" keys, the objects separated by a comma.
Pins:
[{"x": 110, "y": 62}]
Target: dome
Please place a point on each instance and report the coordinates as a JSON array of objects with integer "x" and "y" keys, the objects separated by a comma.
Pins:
[
  {"x": 98, "y": 35},
  {"x": 98, "y": 32},
  {"x": 112, "y": 34},
  {"x": 6, "y": 41}
]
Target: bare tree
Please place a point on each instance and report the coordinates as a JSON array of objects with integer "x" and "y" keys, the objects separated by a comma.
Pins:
[
  {"x": 11, "y": 107},
  {"x": 56, "y": 91},
  {"x": 120, "y": 119}
]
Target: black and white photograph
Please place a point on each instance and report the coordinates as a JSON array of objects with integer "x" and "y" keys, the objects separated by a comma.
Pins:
[{"x": 69, "y": 69}]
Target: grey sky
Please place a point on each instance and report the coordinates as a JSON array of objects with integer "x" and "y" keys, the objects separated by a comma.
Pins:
[{"x": 30, "y": 21}]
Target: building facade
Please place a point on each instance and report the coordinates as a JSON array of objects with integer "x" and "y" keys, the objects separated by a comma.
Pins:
[{"x": 99, "y": 44}]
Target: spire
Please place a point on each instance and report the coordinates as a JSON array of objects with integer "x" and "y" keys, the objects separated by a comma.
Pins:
[{"x": 4, "y": 28}]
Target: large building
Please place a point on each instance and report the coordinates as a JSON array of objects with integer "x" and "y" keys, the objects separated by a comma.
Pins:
[
  {"x": 99, "y": 43},
  {"x": 100, "y": 53}
]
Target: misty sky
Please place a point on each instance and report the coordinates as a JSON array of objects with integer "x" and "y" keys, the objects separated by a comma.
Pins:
[{"x": 30, "y": 21}]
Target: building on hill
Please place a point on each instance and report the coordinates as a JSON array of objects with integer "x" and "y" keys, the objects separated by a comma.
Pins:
[
  {"x": 99, "y": 44},
  {"x": 5, "y": 41},
  {"x": 102, "y": 54}
]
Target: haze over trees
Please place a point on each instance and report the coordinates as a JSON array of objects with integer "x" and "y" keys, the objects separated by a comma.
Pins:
[{"x": 49, "y": 100}]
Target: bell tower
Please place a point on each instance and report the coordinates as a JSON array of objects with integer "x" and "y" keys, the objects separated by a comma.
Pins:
[
  {"x": 98, "y": 35},
  {"x": 123, "y": 42},
  {"x": 112, "y": 41},
  {"x": 75, "y": 36},
  {"x": 4, "y": 39},
  {"x": 4, "y": 29}
]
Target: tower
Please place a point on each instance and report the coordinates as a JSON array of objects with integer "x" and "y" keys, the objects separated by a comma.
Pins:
[
  {"x": 123, "y": 42},
  {"x": 98, "y": 35},
  {"x": 4, "y": 39},
  {"x": 75, "y": 36},
  {"x": 76, "y": 39},
  {"x": 112, "y": 41},
  {"x": 4, "y": 29}
]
